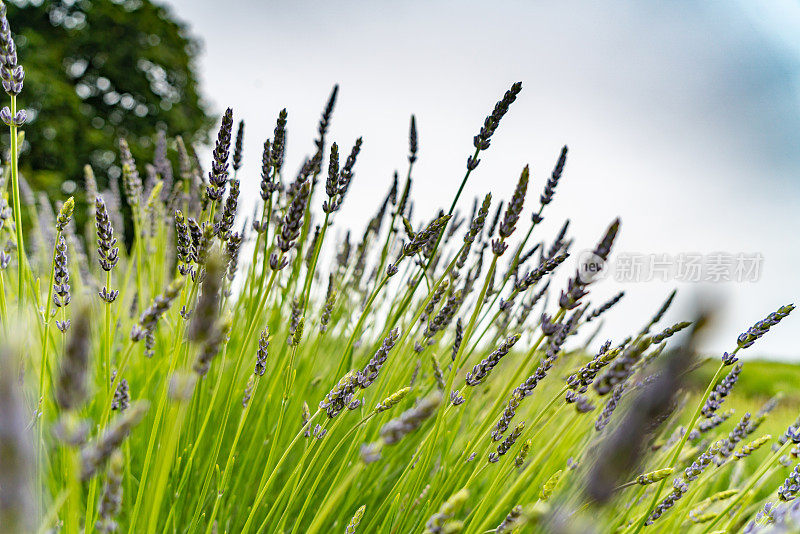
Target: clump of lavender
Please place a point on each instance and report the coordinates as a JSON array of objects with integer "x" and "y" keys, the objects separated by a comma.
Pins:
[
  {"x": 229, "y": 210},
  {"x": 622, "y": 367},
  {"x": 147, "y": 322},
  {"x": 611, "y": 405},
  {"x": 330, "y": 302},
  {"x": 582, "y": 402},
  {"x": 218, "y": 176},
  {"x": 458, "y": 339},
  {"x": 11, "y": 72},
  {"x": 736, "y": 435},
  {"x": 122, "y": 396},
  {"x": 552, "y": 182},
  {"x": 576, "y": 287},
  {"x": 474, "y": 229},
  {"x": 340, "y": 395},
  {"x": 201, "y": 241},
  {"x": 261, "y": 354},
  {"x": 721, "y": 391},
  {"x": 107, "y": 250},
  {"x": 485, "y": 366},
  {"x": 395, "y": 430},
  {"x": 290, "y": 227},
  {"x": 600, "y": 310},
  {"x": 232, "y": 247},
  {"x": 788, "y": 490},
  {"x": 370, "y": 372},
  {"x": 183, "y": 243},
  {"x": 420, "y": 239},
  {"x": 580, "y": 381},
  {"x": 558, "y": 334},
  {"x": 483, "y": 139},
  {"x": 238, "y": 147},
  {"x": 762, "y": 327},
  {"x": 131, "y": 180},
  {"x": 709, "y": 424},
  {"x": 278, "y": 143},
  {"x": 507, "y": 443},
  {"x": 339, "y": 181},
  {"x": 681, "y": 484},
  {"x": 61, "y": 294},
  {"x": 322, "y": 128},
  {"x": 511, "y": 216}
]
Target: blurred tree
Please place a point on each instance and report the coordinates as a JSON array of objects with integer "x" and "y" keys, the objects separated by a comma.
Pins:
[{"x": 97, "y": 70}]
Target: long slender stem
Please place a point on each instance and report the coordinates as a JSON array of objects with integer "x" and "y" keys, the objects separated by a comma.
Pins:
[{"x": 17, "y": 208}]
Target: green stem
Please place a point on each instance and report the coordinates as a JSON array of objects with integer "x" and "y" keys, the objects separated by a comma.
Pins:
[
  {"x": 313, "y": 265},
  {"x": 71, "y": 522},
  {"x": 107, "y": 332},
  {"x": 17, "y": 207},
  {"x": 265, "y": 485},
  {"x": 3, "y": 310},
  {"x": 226, "y": 474}
]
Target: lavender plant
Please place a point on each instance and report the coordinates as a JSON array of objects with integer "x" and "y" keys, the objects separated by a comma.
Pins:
[{"x": 423, "y": 382}]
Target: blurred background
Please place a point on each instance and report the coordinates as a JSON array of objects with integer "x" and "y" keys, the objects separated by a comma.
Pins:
[{"x": 683, "y": 118}]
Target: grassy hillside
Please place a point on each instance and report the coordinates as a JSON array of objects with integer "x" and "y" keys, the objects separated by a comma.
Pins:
[{"x": 760, "y": 380}]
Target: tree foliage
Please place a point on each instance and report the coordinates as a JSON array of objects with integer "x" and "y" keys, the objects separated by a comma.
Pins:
[{"x": 98, "y": 70}]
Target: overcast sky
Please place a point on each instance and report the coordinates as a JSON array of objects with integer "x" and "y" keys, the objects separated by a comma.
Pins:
[{"x": 683, "y": 118}]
